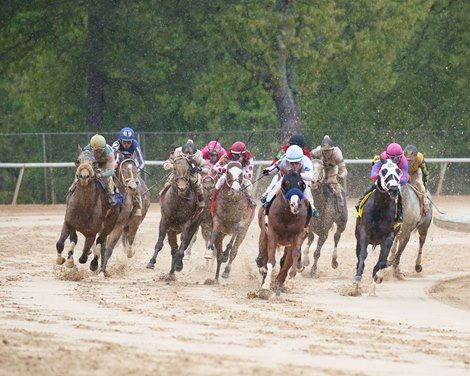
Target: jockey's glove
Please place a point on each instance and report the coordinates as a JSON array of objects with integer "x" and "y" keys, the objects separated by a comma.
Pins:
[{"x": 195, "y": 170}]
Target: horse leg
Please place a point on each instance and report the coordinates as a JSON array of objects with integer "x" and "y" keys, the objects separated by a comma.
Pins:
[
  {"x": 295, "y": 254},
  {"x": 98, "y": 253},
  {"x": 336, "y": 238},
  {"x": 158, "y": 245},
  {"x": 281, "y": 277},
  {"x": 64, "y": 234},
  {"x": 310, "y": 239},
  {"x": 423, "y": 232},
  {"x": 88, "y": 243},
  {"x": 115, "y": 235},
  {"x": 173, "y": 241},
  {"x": 187, "y": 252},
  {"x": 402, "y": 241},
  {"x": 270, "y": 263},
  {"x": 377, "y": 272},
  {"x": 316, "y": 255},
  {"x": 361, "y": 254},
  {"x": 209, "y": 254}
]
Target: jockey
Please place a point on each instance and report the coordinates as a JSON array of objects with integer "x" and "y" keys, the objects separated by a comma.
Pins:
[
  {"x": 237, "y": 152},
  {"x": 104, "y": 163},
  {"x": 199, "y": 165},
  {"x": 333, "y": 165},
  {"x": 418, "y": 173},
  {"x": 394, "y": 152},
  {"x": 295, "y": 139},
  {"x": 296, "y": 160},
  {"x": 212, "y": 152},
  {"x": 130, "y": 148}
]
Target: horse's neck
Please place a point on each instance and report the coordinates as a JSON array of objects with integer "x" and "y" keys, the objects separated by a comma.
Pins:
[{"x": 87, "y": 196}]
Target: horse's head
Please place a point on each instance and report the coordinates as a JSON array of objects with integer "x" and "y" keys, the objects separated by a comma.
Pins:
[
  {"x": 127, "y": 174},
  {"x": 208, "y": 184},
  {"x": 389, "y": 178},
  {"x": 318, "y": 172},
  {"x": 84, "y": 163},
  {"x": 293, "y": 187},
  {"x": 181, "y": 174},
  {"x": 234, "y": 176}
]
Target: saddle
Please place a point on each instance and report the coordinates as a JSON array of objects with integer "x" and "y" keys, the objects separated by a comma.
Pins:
[{"x": 361, "y": 207}]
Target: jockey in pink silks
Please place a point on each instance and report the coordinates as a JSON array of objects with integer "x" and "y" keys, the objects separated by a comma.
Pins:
[{"x": 394, "y": 152}]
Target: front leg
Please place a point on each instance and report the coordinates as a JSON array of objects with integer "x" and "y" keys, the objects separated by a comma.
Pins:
[{"x": 158, "y": 245}]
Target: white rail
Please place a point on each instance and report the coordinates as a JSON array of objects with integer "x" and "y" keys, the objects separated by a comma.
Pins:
[{"x": 22, "y": 166}]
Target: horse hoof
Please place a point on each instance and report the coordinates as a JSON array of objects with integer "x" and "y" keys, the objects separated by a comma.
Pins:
[
  {"x": 225, "y": 275},
  {"x": 306, "y": 261},
  {"x": 418, "y": 268},
  {"x": 357, "y": 278},
  {"x": 313, "y": 272},
  {"x": 83, "y": 259},
  {"x": 334, "y": 264},
  {"x": 170, "y": 277},
  {"x": 179, "y": 265},
  {"x": 290, "y": 284},
  {"x": 208, "y": 255},
  {"x": 69, "y": 263},
  {"x": 259, "y": 261},
  {"x": 94, "y": 265},
  {"x": 59, "y": 260}
]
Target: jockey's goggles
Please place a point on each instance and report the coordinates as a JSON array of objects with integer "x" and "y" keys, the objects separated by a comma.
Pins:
[{"x": 238, "y": 152}]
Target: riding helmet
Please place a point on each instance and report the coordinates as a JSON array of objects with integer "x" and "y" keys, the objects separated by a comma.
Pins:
[
  {"x": 127, "y": 134},
  {"x": 411, "y": 152},
  {"x": 327, "y": 143},
  {"x": 294, "y": 153},
  {"x": 214, "y": 147},
  {"x": 238, "y": 147},
  {"x": 297, "y": 139},
  {"x": 97, "y": 142},
  {"x": 394, "y": 150},
  {"x": 189, "y": 148}
]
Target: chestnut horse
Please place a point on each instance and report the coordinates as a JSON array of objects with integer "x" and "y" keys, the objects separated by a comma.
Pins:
[
  {"x": 88, "y": 212},
  {"x": 232, "y": 215},
  {"x": 375, "y": 222},
  {"x": 179, "y": 215},
  {"x": 286, "y": 226},
  {"x": 127, "y": 224}
]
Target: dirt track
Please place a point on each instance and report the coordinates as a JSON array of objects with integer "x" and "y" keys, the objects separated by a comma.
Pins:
[{"x": 72, "y": 322}]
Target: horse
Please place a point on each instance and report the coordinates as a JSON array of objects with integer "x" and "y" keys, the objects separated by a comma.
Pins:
[
  {"x": 88, "y": 212},
  {"x": 208, "y": 187},
  {"x": 375, "y": 225},
  {"x": 413, "y": 219},
  {"x": 179, "y": 215},
  {"x": 127, "y": 224},
  {"x": 232, "y": 215},
  {"x": 331, "y": 212},
  {"x": 286, "y": 226}
]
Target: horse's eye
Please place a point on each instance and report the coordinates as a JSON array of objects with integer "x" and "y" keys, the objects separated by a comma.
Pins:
[
  {"x": 384, "y": 171},
  {"x": 398, "y": 171}
]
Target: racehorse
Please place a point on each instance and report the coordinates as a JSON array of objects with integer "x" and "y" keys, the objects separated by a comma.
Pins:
[
  {"x": 179, "y": 215},
  {"x": 232, "y": 215},
  {"x": 286, "y": 226},
  {"x": 375, "y": 225},
  {"x": 413, "y": 219},
  {"x": 331, "y": 212},
  {"x": 88, "y": 212},
  {"x": 208, "y": 187},
  {"x": 127, "y": 224}
]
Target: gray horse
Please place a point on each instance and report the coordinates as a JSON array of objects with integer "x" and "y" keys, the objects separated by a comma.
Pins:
[
  {"x": 331, "y": 213},
  {"x": 413, "y": 220}
]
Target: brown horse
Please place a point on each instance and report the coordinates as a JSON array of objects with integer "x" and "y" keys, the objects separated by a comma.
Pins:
[
  {"x": 87, "y": 211},
  {"x": 232, "y": 215},
  {"x": 179, "y": 215},
  {"x": 286, "y": 226},
  {"x": 208, "y": 187},
  {"x": 127, "y": 224}
]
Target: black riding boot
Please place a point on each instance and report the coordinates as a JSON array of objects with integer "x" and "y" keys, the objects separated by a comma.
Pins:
[
  {"x": 399, "y": 217},
  {"x": 267, "y": 205},
  {"x": 371, "y": 188}
]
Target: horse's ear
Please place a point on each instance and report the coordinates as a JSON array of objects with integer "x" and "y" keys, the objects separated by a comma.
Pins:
[{"x": 79, "y": 149}]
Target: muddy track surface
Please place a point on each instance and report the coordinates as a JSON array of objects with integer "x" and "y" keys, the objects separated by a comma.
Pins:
[{"x": 59, "y": 321}]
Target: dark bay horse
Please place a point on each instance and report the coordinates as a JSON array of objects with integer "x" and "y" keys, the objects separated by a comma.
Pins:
[
  {"x": 232, "y": 215},
  {"x": 127, "y": 224},
  {"x": 331, "y": 213},
  {"x": 286, "y": 226},
  {"x": 179, "y": 215},
  {"x": 413, "y": 220},
  {"x": 88, "y": 212},
  {"x": 376, "y": 224}
]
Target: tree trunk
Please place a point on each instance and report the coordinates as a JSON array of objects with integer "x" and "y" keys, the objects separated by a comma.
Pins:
[
  {"x": 95, "y": 77},
  {"x": 282, "y": 83}
]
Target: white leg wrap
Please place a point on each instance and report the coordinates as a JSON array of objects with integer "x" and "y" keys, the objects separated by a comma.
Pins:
[{"x": 267, "y": 280}]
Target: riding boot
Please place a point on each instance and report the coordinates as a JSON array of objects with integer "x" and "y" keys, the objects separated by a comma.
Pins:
[
  {"x": 263, "y": 198},
  {"x": 266, "y": 206},
  {"x": 137, "y": 201},
  {"x": 399, "y": 216},
  {"x": 371, "y": 188},
  {"x": 200, "y": 200}
]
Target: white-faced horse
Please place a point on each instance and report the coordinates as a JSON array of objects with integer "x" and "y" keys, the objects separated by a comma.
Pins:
[{"x": 375, "y": 222}]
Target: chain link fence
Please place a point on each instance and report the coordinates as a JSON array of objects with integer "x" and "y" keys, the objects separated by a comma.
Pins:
[{"x": 49, "y": 185}]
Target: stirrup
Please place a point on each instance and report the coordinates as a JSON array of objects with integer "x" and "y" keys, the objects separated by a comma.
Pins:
[{"x": 315, "y": 213}]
